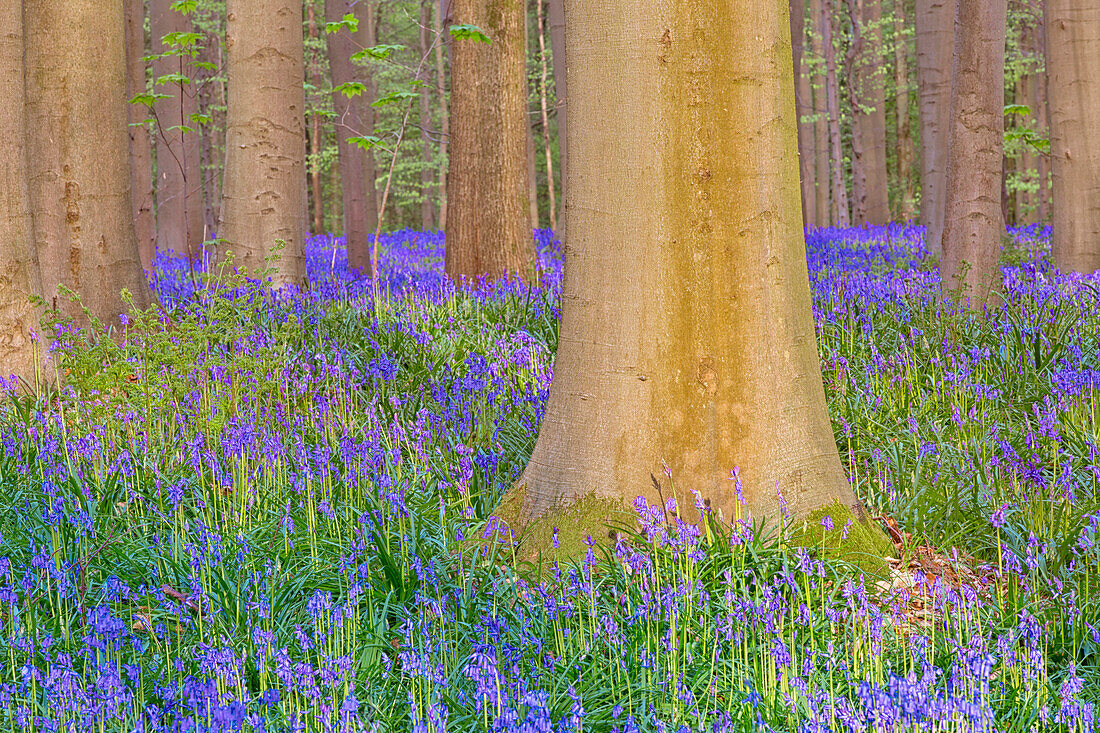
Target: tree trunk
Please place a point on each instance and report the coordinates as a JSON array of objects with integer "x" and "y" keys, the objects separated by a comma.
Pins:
[
  {"x": 21, "y": 348},
  {"x": 803, "y": 108},
  {"x": 179, "y": 172},
  {"x": 687, "y": 336},
  {"x": 856, "y": 101},
  {"x": 1027, "y": 160},
  {"x": 264, "y": 190},
  {"x": 906, "y": 194},
  {"x": 488, "y": 225},
  {"x": 427, "y": 205},
  {"x": 821, "y": 122},
  {"x": 556, "y": 16},
  {"x": 78, "y": 156},
  {"x": 354, "y": 118},
  {"x": 544, "y": 110},
  {"x": 1073, "y": 83},
  {"x": 935, "y": 33},
  {"x": 972, "y": 214},
  {"x": 316, "y": 80},
  {"x": 841, "y": 216},
  {"x": 444, "y": 113},
  {"x": 871, "y": 114},
  {"x": 1042, "y": 114},
  {"x": 532, "y": 177},
  {"x": 141, "y": 148},
  {"x": 211, "y": 101}
]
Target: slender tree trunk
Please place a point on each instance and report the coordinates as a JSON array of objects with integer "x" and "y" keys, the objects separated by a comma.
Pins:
[
  {"x": 906, "y": 195},
  {"x": 1073, "y": 83},
  {"x": 21, "y": 348},
  {"x": 935, "y": 24},
  {"x": 821, "y": 123},
  {"x": 543, "y": 109},
  {"x": 532, "y": 178},
  {"x": 427, "y": 205},
  {"x": 641, "y": 375},
  {"x": 488, "y": 225},
  {"x": 1026, "y": 161},
  {"x": 354, "y": 118},
  {"x": 444, "y": 114},
  {"x": 841, "y": 215},
  {"x": 972, "y": 215},
  {"x": 78, "y": 155},
  {"x": 211, "y": 96},
  {"x": 556, "y": 16},
  {"x": 179, "y": 172},
  {"x": 856, "y": 102},
  {"x": 1042, "y": 114},
  {"x": 141, "y": 148},
  {"x": 264, "y": 190},
  {"x": 316, "y": 79},
  {"x": 871, "y": 116},
  {"x": 804, "y": 109}
]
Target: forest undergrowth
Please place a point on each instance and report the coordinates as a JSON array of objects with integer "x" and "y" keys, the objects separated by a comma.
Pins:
[{"x": 268, "y": 513}]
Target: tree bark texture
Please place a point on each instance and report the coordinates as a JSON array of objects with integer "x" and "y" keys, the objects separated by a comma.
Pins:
[
  {"x": 316, "y": 78},
  {"x": 78, "y": 156},
  {"x": 1042, "y": 113},
  {"x": 211, "y": 99},
  {"x": 444, "y": 112},
  {"x": 935, "y": 34},
  {"x": 488, "y": 222},
  {"x": 687, "y": 335},
  {"x": 870, "y": 114},
  {"x": 804, "y": 110},
  {"x": 354, "y": 118},
  {"x": 141, "y": 147},
  {"x": 906, "y": 194},
  {"x": 852, "y": 75},
  {"x": 821, "y": 120},
  {"x": 21, "y": 349},
  {"x": 841, "y": 216},
  {"x": 1027, "y": 162},
  {"x": 972, "y": 213},
  {"x": 555, "y": 11},
  {"x": 545, "y": 115},
  {"x": 1073, "y": 84},
  {"x": 179, "y": 170}
]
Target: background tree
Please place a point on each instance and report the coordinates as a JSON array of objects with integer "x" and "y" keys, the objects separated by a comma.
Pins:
[
  {"x": 1073, "y": 68},
  {"x": 555, "y": 13},
  {"x": 804, "y": 109},
  {"x": 906, "y": 192},
  {"x": 141, "y": 148},
  {"x": 264, "y": 190},
  {"x": 354, "y": 117},
  {"x": 179, "y": 192},
  {"x": 488, "y": 219},
  {"x": 935, "y": 34},
  {"x": 869, "y": 111},
  {"x": 972, "y": 213},
  {"x": 840, "y": 213},
  {"x": 687, "y": 335},
  {"x": 822, "y": 198},
  {"x": 20, "y": 351},
  {"x": 78, "y": 156}
]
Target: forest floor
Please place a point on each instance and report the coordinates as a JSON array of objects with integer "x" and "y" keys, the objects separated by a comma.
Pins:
[{"x": 276, "y": 513}]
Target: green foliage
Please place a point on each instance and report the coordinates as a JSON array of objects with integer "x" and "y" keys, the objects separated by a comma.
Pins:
[{"x": 469, "y": 33}]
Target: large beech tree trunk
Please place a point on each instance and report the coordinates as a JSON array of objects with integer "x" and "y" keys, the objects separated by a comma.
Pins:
[
  {"x": 556, "y": 15},
  {"x": 803, "y": 108},
  {"x": 841, "y": 216},
  {"x": 141, "y": 148},
  {"x": 687, "y": 335},
  {"x": 179, "y": 170},
  {"x": 935, "y": 34},
  {"x": 906, "y": 193},
  {"x": 78, "y": 156},
  {"x": 21, "y": 350},
  {"x": 488, "y": 218},
  {"x": 263, "y": 196},
  {"x": 354, "y": 118},
  {"x": 1073, "y": 84},
  {"x": 871, "y": 114},
  {"x": 821, "y": 124},
  {"x": 972, "y": 214}
]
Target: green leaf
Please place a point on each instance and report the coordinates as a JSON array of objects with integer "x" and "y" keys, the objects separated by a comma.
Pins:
[
  {"x": 172, "y": 79},
  {"x": 148, "y": 98},
  {"x": 349, "y": 21},
  {"x": 469, "y": 32},
  {"x": 1017, "y": 109},
  {"x": 199, "y": 119},
  {"x": 378, "y": 53},
  {"x": 351, "y": 88},
  {"x": 366, "y": 142},
  {"x": 206, "y": 65},
  {"x": 394, "y": 98},
  {"x": 181, "y": 39},
  {"x": 185, "y": 6}
]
